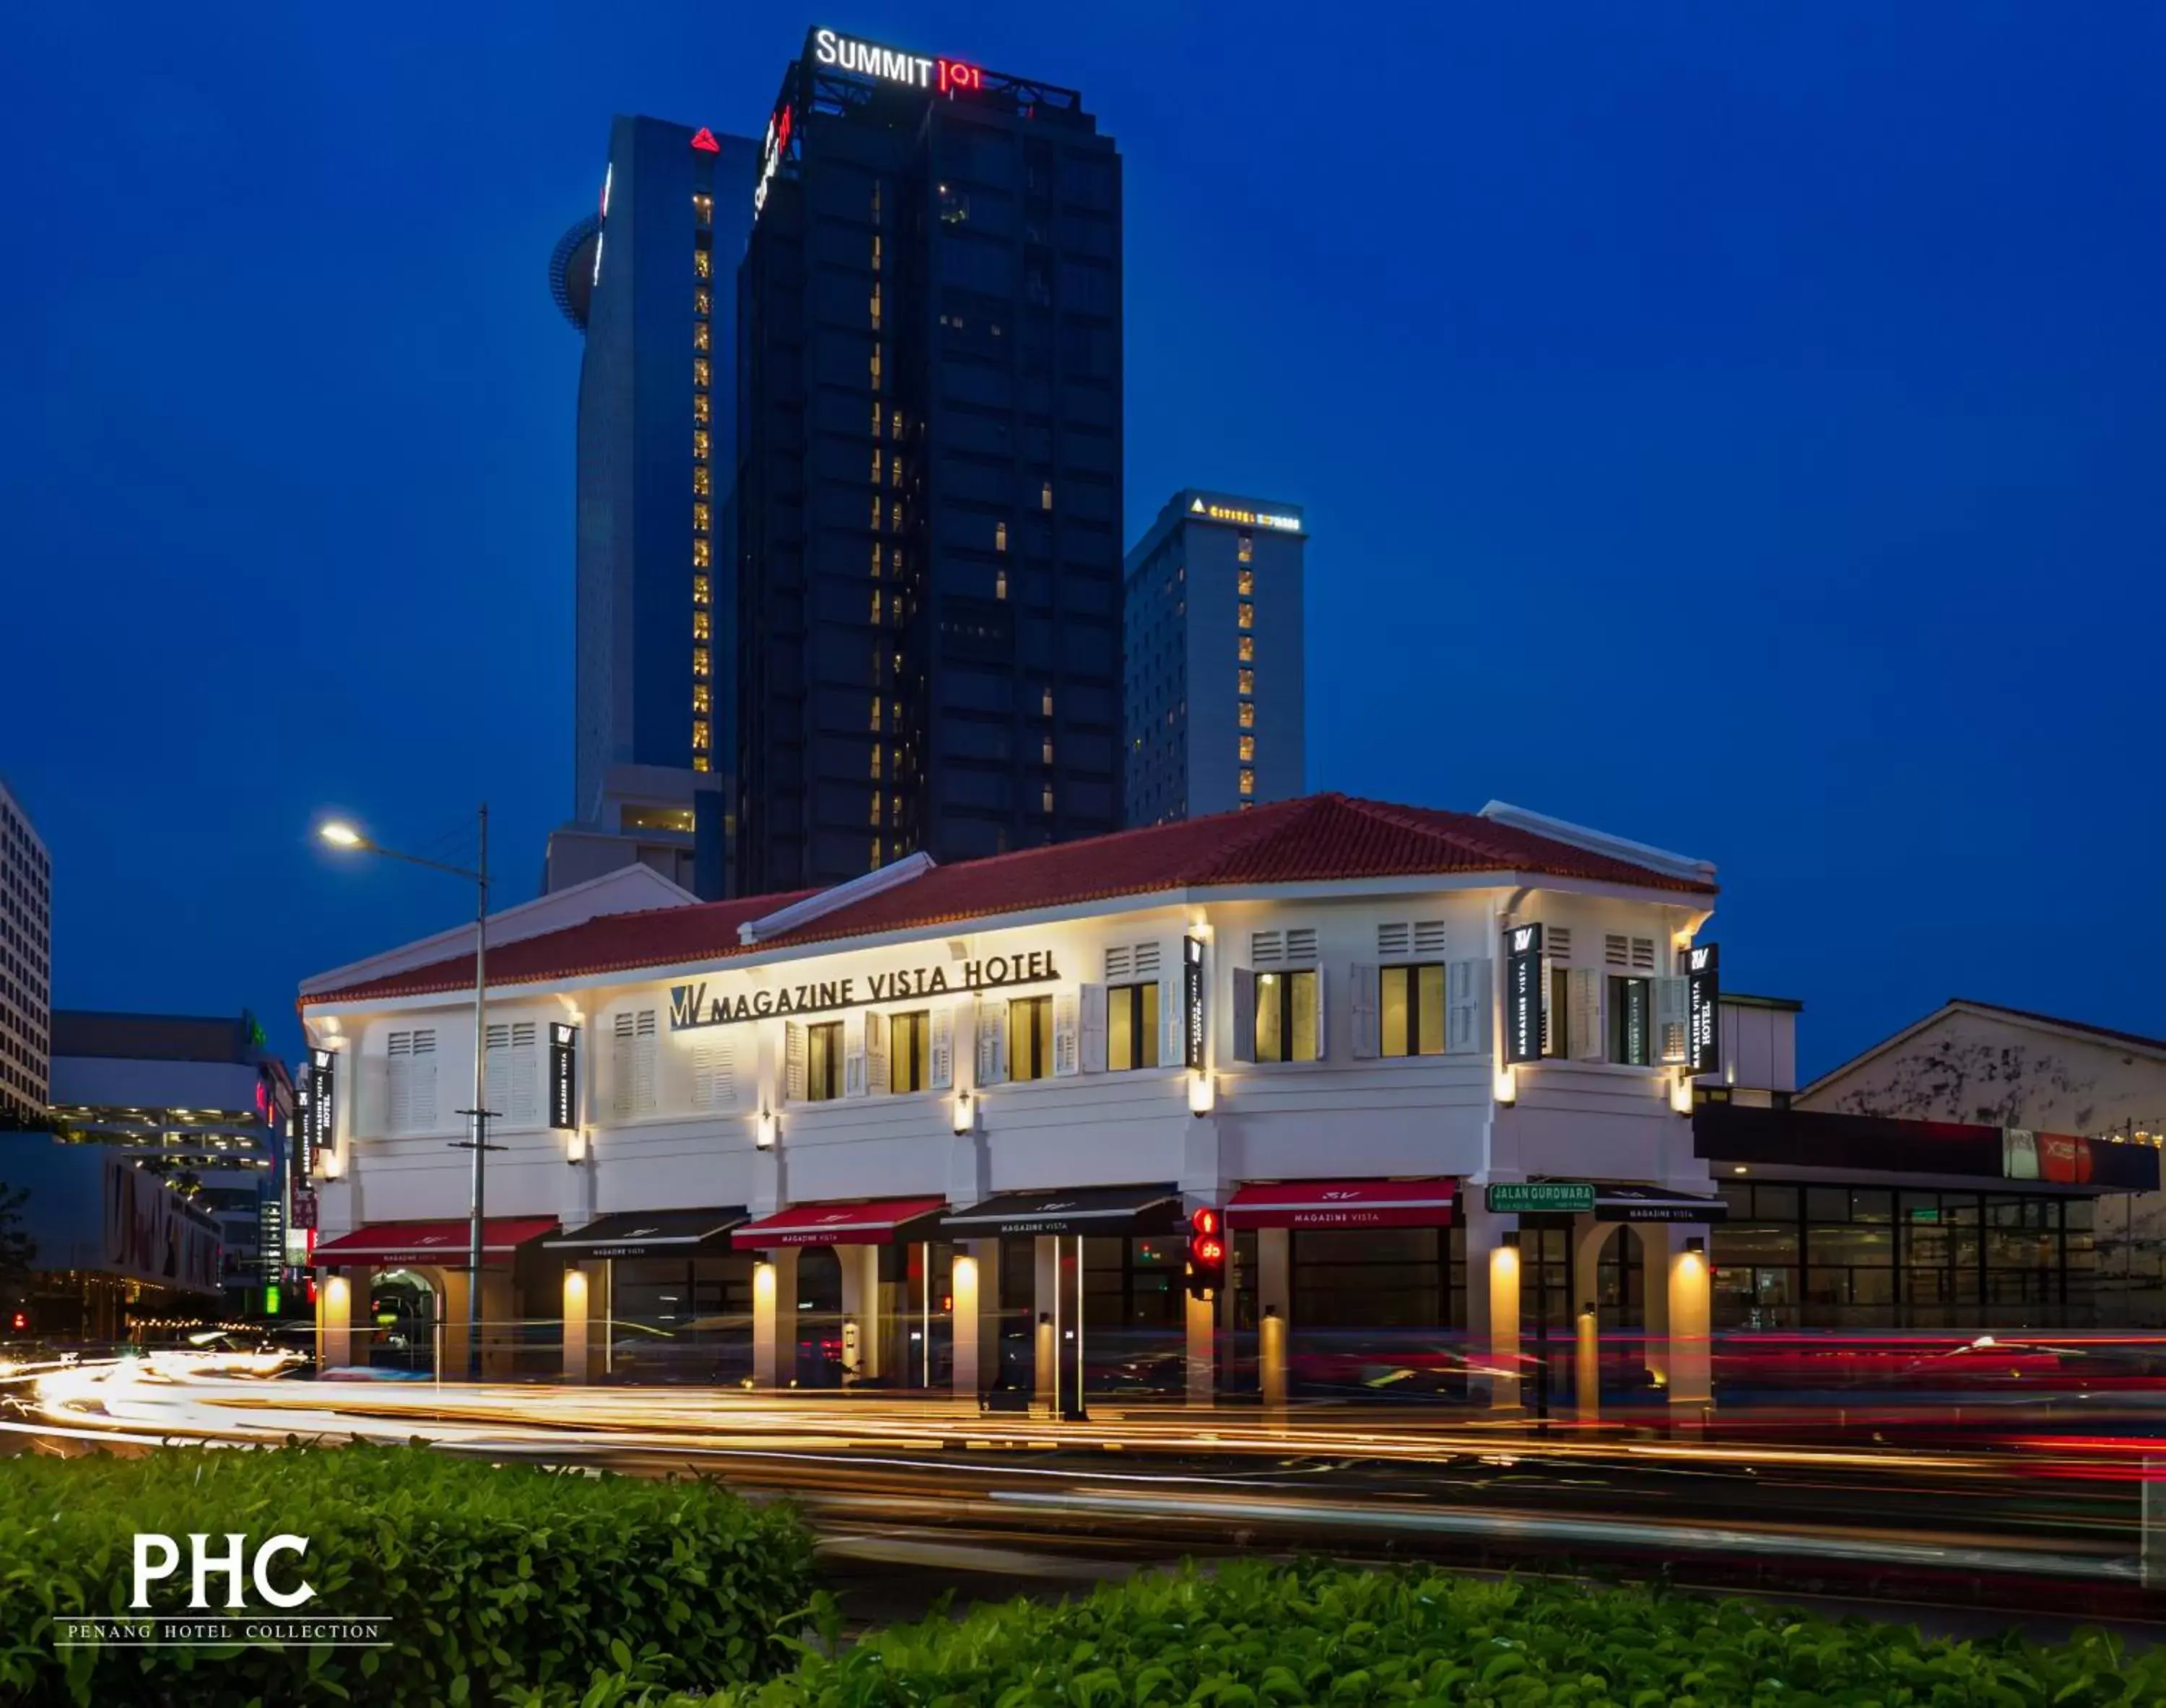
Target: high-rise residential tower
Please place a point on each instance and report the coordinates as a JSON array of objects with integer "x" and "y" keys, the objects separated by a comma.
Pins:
[
  {"x": 649, "y": 278},
  {"x": 929, "y": 471},
  {"x": 1214, "y": 698},
  {"x": 26, "y": 971}
]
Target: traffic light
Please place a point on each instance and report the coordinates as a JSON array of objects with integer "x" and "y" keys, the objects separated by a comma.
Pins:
[
  {"x": 1207, "y": 1253},
  {"x": 19, "y": 1323}
]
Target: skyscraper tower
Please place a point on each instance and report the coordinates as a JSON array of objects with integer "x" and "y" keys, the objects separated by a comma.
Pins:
[
  {"x": 1216, "y": 699},
  {"x": 649, "y": 278},
  {"x": 929, "y": 470}
]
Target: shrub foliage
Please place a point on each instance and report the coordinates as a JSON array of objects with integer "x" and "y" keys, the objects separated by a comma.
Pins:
[
  {"x": 1251, "y": 1635},
  {"x": 495, "y": 1578}
]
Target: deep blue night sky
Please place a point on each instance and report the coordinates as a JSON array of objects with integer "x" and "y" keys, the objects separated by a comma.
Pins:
[{"x": 1742, "y": 429}]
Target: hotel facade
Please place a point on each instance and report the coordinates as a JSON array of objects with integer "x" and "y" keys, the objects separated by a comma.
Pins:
[{"x": 947, "y": 1127}]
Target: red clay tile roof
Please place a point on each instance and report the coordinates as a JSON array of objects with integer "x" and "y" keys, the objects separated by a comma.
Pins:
[{"x": 1319, "y": 838}]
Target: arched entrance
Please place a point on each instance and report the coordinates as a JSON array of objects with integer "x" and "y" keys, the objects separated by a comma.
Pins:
[{"x": 403, "y": 1324}]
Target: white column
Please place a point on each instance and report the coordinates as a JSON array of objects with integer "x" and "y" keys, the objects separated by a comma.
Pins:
[
  {"x": 1046, "y": 1301},
  {"x": 1589, "y": 1237},
  {"x": 1656, "y": 1246},
  {"x": 1492, "y": 1299},
  {"x": 1691, "y": 1352},
  {"x": 963, "y": 1334},
  {"x": 1274, "y": 1309},
  {"x": 861, "y": 1307},
  {"x": 774, "y": 1320},
  {"x": 575, "y": 1324},
  {"x": 333, "y": 1322},
  {"x": 1202, "y": 1324}
]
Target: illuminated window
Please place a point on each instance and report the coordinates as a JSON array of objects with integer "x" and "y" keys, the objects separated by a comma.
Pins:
[
  {"x": 1245, "y": 550},
  {"x": 1248, "y": 782},
  {"x": 699, "y": 728},
  {"x": 876, "y": 417},
  {"x": 701, "y": 514},
  {"x": 1000, "y": 536},
  {"x": 702, "y": 625},
  {"x": 1248, "y": 649},
  {"x": 1248, "y": 681},
  {"x": 703, "y": 699},
  {"x": 700, "y": 761},
  {"x": 701, "y": 590},
  {"x": 702, "y": 554},
  {"x": 895, "y": 426},
  {"x": 894, "y": 472},
  {"x": 909, "y": 1052},
  {"x": 874, "y": 367},
  {"x": 700, "y": 443},
  {"x": 701, "y": 413},
  {"x": 1000, "y": 583},
  {"x": 875, "y": 513},
  {"x": 703, "y": 264},
  {"x": 876, "y": 605},
  {"x": 1030, "y": 1037},
  {"x": 823, "y": 1060},
  {"x": 875, "y": 864},
  {"x": 700, "y": 330},
  {"x": 1248, "y": 617},
  {"x": 1132, "y": 1026},
  {"x": 701, "y": 372},
  {"x": 1410, "y": 1009},
  {"x": 1246, "y": 581},
  {"x": 1247, "y": 748},
  {"x": 1045, "y": 705},
  {"x": 876, "y": 252},
  {"x": 703, "y": 303},
  {"x": 876, "y": 807},
  {"x": 702, "y": 482},
  {"x": 895, "y": 561},
  {"x": 894, "y": 515},
  {"x": 1045, "y": 800},
  {"x": 1045, "y": 496},
  {"x": 1045, "y": 754},
  {"x": 876, "y": 306},
  {"x": 699, "y": 661},
  {"x": 703, "y": 207},
  {"x": 876, "y": 465},
  {"x": 875, "y": 713},
  {"x": 876, "y": 760},
  {"x": 875, "y": 560},
  {"x": 1287, "y": 1016}
]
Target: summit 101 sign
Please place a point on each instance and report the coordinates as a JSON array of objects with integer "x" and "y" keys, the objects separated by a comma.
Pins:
[{"x": 890, "y": 64}]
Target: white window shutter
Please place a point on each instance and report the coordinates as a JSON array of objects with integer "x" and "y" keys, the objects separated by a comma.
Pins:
[
  {"x": 1587, "y": 1040},
  {"x": 1244, "y": 1014},
  {"x": 991, "y": 1027},
  {"x": 372, "y": 1098},
  {"x": 1467, "y": 1008},
  {"x": 854, "y": 1056},
  {"x": 1172, "y": 1022},
  {"x": 714, "y": 1075},
  {"x": 621, "y": 1049},
  {"x": 1363, "y": 997},
  {"x": 1067, "y": 1043},
  {"x": 940, "y": 1052},
  {"x": 877, "y": 1081},
  {"x": 793, "y": 1061},
  {"x": 1323, "y": 1012},
  {"x": 1091, "y": 999},
  {"x": 1672, "y": 1023}
]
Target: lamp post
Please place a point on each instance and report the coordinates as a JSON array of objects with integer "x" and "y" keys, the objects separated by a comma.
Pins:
[{"x": 342, "y": 834}]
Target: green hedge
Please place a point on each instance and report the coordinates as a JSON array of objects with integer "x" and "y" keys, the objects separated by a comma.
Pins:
[
  {"x": 495, "y": 1578},
  {"x": 1253, "y": 1637}
]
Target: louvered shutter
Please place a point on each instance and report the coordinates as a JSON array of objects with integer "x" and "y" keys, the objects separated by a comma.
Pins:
[
  {"x": 1092, "y": 999},
  {"x": 1467, "y": 1008},
  {"x": 1301, "y": 943},
  {"x": 421, "y": 1084},
  {"x": 940, "y": 1053},
  {"x": 1323, "y": 1012},
  {"x": 793, "y": 1061},
  {"x": 622, "y": 1045},
  {"x": 991, "y": 1033},
  {"x": 399, "y": 1074},
  {"x": 1587, "y": 1043},
  {"x": 645, "y": 1060},
  {"x": 714, "y": 1075},
  {"x": 854, "y": 1056},
  {"x": 1392, "y": 941},
  {"x": 1673, "y": 1025},
  {"x": 373, "y": 1097},
  {"x": 1429, "y": 940},
  {"x": 1067, "y": 1042},
  {"x": 1172, "y": 1022},
  {"x": 526, "y": 1073},
  {"x": 877, "y": 1080},
  {"x": 1244, "y": 1014},
  {"x": 1364, "y": 998}
]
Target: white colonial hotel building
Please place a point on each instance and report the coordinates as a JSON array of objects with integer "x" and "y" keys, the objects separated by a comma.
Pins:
[{"x": 940, "y": 1125}]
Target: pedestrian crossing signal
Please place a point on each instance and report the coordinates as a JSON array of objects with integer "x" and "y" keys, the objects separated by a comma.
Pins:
[{"x": 1206, "y": 1253}]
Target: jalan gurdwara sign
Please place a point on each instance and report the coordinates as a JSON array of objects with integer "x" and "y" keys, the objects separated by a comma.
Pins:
[{"x": 692, "y": 1005}]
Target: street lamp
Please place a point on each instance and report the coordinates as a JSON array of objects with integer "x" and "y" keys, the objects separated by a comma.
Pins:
[{"x": 342, "y": 834}]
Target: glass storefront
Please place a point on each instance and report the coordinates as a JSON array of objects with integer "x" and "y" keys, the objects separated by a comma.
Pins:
[
  {"x": 1795, "y": 1257},
  {"x": 682, "y": 1319}
]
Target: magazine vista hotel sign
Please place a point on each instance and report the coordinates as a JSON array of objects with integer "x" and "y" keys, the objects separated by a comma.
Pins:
[{"x": 705, "y": 1004}]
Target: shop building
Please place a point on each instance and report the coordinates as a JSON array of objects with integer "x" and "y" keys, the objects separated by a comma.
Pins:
[{"x": 956, "y": 1116}]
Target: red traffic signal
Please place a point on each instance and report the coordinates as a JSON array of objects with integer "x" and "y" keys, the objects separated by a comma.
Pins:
[
  {"x": 1207, "y": 1253},
  {"x": 20, "y": 1322}
]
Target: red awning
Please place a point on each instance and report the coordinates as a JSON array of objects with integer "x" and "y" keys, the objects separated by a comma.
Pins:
[
  {"x": 1342, "y": 1204},
  {"x": 873, "y": 1222},
  {"x": 383, "y": 1244}
]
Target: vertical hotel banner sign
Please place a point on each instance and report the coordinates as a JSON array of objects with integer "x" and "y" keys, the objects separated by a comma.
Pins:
[
  {"x": 314, "y": 1096},
  {"x": 1703, "y": 1007},
  {"x": 564, "y": 1076},
  {"x": 1191, "y": 1004},
  {"x": 1523, "y": 993}
]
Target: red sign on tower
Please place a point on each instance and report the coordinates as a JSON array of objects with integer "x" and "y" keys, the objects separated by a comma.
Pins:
[{"x": 704, "y": 140}]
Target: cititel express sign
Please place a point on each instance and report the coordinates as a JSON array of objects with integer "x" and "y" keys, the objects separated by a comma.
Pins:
[{"x": 703, "y": 1004}]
